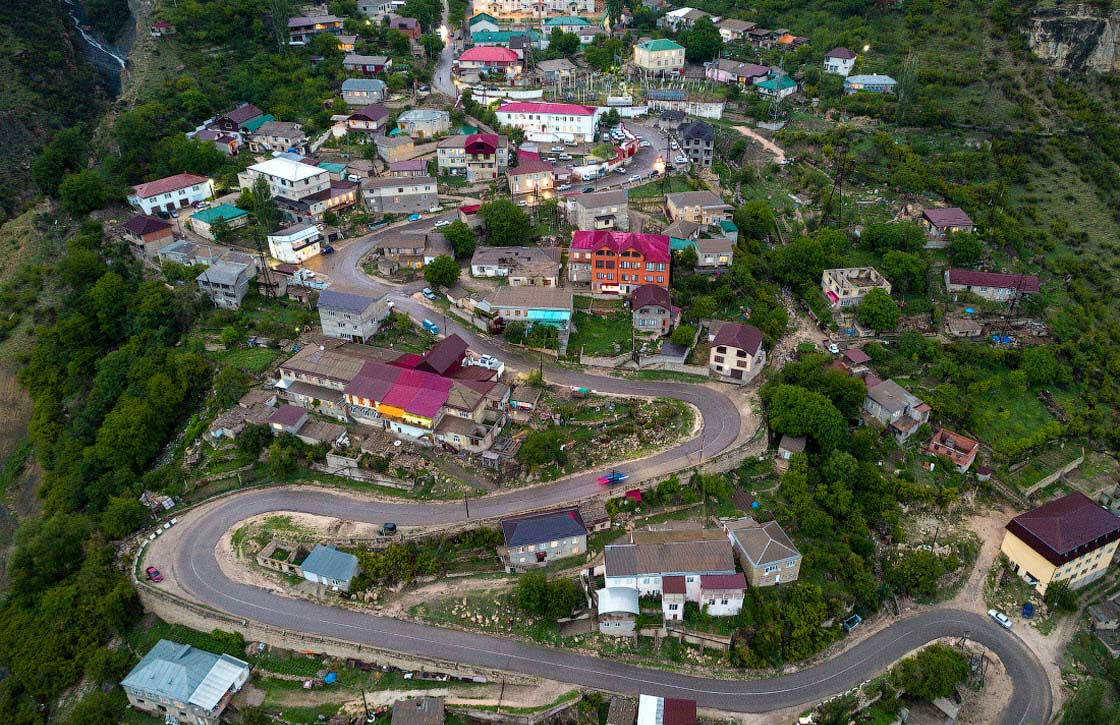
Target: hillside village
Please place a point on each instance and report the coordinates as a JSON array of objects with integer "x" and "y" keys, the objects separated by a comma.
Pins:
[{"x": 467, "y": 339}]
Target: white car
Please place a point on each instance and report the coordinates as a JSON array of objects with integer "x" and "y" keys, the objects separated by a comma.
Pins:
[
  {"x": 1002, "y": 619},
  {"x": 563, "y": 187},
  {"x": 636, "y": 177},
  {"x": 673, "y": 145},
  {"x": 680, "y": 160},
  {"x": 523, "y": 203},
  {"x": 834, "y": 348},
  {"x": 489, "y": 362},
  {"x": 443, "y": 223},
  {"x": 565, "y": 157},
  {"x": 644, "y": 144},
  {"x": 557, "y": 149}
]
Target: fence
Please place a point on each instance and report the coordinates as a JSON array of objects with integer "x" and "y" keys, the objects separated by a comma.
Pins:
[
  {"x": 339, "y": 465},
  {"x": 520, "y": 719},
  {"x": 600, "y": 361},
  {"x": 1044, "y": 482}
]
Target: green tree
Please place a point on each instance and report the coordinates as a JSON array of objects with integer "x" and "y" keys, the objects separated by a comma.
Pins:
[
  {"x": 282, "y": 460},
  {"x": 906, "y": 271},
  {"x": 614, "y": 11},
  {"x": 1042, "y": 366},
  {"x": 703, "y": 307},
  {"x": 122, "y": 516},
  {"x": 932, "y": 673},
  {"x": 801, "y": 262},
  {"x": 916, "y": 573},
  {"x": 804, "y": 612},
  {"x": 796, "y": 411},
  {"x": 230, "y": 384},
  {"x": 443, "y": 271},
  {"x": 84, "y": 191},
  {"x": 540, "y": 448},
  {"x": 221, "y": 231},
  {"x": 432, "y": 44},
  {"x": 878, "y": 311},
  {"x": 702, "y": 42},
  {"x": 901, "y": 236},
  {"x": 964, "y": 249},
  {"x": 507, "y": 225},
  {"x": 755, "y": 220},
  {"x": 683, "y": 335},
  {"x": 1060, "y": 597},
  {"x": 461, "y": 238},
  {"x": 563, "y": 44},
  {"x": 97, "y": 708},
  {"x": 65, "y": 153}
]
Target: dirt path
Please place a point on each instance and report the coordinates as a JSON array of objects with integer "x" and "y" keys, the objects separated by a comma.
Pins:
[{"x": 774, "y": 149}]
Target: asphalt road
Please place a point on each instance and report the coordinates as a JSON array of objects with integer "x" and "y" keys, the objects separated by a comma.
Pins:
[{"x": 194, "y": 567}]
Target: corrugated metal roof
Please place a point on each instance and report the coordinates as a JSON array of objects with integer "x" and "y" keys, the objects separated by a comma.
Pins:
[{"x": 330, "y": 563}]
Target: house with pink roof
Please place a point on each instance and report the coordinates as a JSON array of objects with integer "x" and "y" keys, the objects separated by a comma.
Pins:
[
  {"x": 551, "y": 121},
  {"x": 618, "y": 262}
]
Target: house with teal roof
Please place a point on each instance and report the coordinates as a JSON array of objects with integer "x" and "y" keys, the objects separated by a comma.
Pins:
[
  {"x": 566, "y": 24},
  {"x": 501, "y": 38},
  {"x": 660, "y": 56},
  {"x": 776, "y": 86},
  {"x": 483, "y": 22},
  {"x": 252, "y": 126},
  {"x": 201, "y": 221}
]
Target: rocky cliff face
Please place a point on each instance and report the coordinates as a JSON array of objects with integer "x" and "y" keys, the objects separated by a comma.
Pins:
[{"x": 1076, "y": 38}]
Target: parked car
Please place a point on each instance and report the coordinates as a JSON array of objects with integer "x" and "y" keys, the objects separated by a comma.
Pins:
[
  {"x": 489, "y": 362},
  {"x": 153, "y": 575},
  {"x": 327, "y": 250},
  {"x": 443, "y": 223},
  {"x": 612, "y": 478},
  {"x": 415, "y": 217},
  {"x": 1002, "y": 619},
  {"x": 563, "y": 187},
  {"x": 523, "y": 203},
  {"x": 636, "y": 177},
  {"x": 680, "y": 160},
  {"x": 565, "y": 157},
  {"x": 430, "y": 326},
  {"x": 620, "y": 170},
  {"x": 834, "y": 348},
  {"x": 644, "y": 144},
  {"x": 427, "y": 292},
  {"x": 673, "y": 145},
  {"x": 588, "y": 189},
  {"x": 388, "y": 528},
  {"x": 557, "y": 149}
]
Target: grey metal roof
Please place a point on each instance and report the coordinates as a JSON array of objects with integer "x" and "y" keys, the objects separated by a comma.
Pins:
[
  {"x": 543, "y": 528},
  {"x": 330, "y": 563},
  {"x": 363, "y": 84},
  {"x": 223, "y": 272},
  {"x": 182, "y": 673},
  {"x": 344, "y": 301}
]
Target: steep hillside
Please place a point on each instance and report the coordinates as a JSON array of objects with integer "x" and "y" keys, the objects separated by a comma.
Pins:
[{"x": 45, "y": 85}]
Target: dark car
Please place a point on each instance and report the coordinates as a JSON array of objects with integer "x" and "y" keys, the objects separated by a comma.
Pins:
[
  {"x": 153, "y": 574},
  {"x": 327, "y": 250},
  {"x": 588, "y": 189},
  {"x": 388, "y": 529}
]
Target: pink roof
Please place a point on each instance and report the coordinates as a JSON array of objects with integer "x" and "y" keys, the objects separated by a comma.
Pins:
[
  {"x": 559, "y": 109},
  {"x": 493, "y": 54},
  {"x": 654, "y": 247},
  {"x": 171, "y": 183},
  {"x": 1025, "y": 283},
  {"x": 409, "y": 165},
  {"x": 470, "y": 208},
  {"x": 481, "y": 143}
]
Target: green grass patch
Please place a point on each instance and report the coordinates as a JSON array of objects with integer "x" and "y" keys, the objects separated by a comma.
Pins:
[
  {"x": 610, "y": 334},
  {"x": 667, "y": 375},
  {"x": 14, "y": 465},
  {"x": 253, "y": 360},
  {"x": 654, "y": 189}
]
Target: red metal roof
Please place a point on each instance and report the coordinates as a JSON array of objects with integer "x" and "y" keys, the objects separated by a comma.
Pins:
[
  {"x": 529, "y": 163},
  {"x": 843, "y": 53},
  {"x": 481, "y": 144},
  {"x": 744, "y": 337},
  {"x": 1025, "y": 283},
  {"x": 470, "y": 208},
  {"x": 650, "y": 294},
  {"x": 170, "y": 183},
  {"x": 678, "y": 712},
  {"x": 489, "y": 54},
  {"x": 557, "y": 109},
  {"x": 654, "y": 247},
  {"x": 950, "y": 216},
  {"x": 1066, "y": 528},
  {"x": 142, "y": 224},
  {"x": 710, "y": 582},
  {"x": 672, "y": 585}
]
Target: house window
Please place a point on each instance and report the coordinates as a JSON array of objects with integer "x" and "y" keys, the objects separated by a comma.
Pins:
[
  {"x": 770, "y": 569},
  {"x": 674, "y": 607}
]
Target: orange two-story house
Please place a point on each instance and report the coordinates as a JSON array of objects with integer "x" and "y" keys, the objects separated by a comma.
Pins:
[{"x": 618, "y": 262}]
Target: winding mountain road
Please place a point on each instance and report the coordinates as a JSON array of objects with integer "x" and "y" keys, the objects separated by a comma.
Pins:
[{"x": 188, "y": 558}]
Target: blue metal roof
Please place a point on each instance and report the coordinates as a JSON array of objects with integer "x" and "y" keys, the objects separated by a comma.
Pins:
[
  {"x": 328, "y": 562},
  {"x": 665, "y": 94},
  {"x": 179, "y": 672}
]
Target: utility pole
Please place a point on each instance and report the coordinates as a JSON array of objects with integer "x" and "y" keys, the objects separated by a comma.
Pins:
[{"x": 467, "y": 504}]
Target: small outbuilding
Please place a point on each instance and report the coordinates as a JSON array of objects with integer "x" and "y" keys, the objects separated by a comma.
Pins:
[{"x": 328, "y": 566}]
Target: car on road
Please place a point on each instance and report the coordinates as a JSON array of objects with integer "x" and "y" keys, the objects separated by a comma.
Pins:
[
  {"x": 152, "y": 574},
  {"x": 430, "y": 326},
  {"x": 653, "y": 174},
  {"x": 588, "y": 189},
  {"x": 1001, "y": 619},
  {"x": 427, "y": 292},
  {"x": 565, "y": 157},
  {"x": 636, "y": 177},
  {"x": 673, "y": 145},
  {"x": 612, "y": 478},
  {"x": 680, "y": 160},
  {"x": 327, "y": 250},
  {"x": 620, "y": 170},
  {"x": 644, "y": 144},
  {"x": 443, "y": 223},
  {"x": 557, "y": 149},
  {"x": 834, "y": 348},
  {"x": 563, "y": 187},
  {"x": 415, "y": 217}
]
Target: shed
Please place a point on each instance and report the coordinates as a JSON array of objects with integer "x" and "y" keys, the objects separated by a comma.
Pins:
[{"x": 327, "y": 565}]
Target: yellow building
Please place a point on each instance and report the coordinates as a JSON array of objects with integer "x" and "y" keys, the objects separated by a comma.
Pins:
[
  {"x": 659, "y": 56},
  {"x": 1070, "y": 539}
]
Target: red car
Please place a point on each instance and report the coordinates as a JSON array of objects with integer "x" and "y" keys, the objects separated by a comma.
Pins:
[
  {"x": 153, "y": 574},
  {"x": 612, "y": 478}
]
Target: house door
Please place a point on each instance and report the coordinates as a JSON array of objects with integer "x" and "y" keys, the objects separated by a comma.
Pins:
[
  {"x": 541, "y": 556},
  {"x": 737, "y": 374}
]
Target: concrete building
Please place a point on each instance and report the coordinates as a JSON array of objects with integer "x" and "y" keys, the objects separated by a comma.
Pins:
[
  {"x": 394, "y": 148},
  {"x": 539, "y": 305},
  {"x": 960, "y": 450},
  {"x": 367, "y": 64},
  {"x": 764, "y": 550},
  {"x": 697, "y": 140},
  {"x": 362, "y": 92},
  {"x": 389, "y": 195},
  {"x": 652, "y": 310},
  {"x": 654, "y": 710},
  {"x": 418, "y": 711},
  {"x": 226, "y": 283},
  {"x": 202, "y": 221},
  {"x": 408, "y": 168},
  {"x": 992, "y": 286},
  {"x": 520, "y": 266},
  {"x": 870, "y": 83},
  {"x": 178, "y": 683},
  {"x": 537, "y": 539},
  {"x": 733, "y": 30},
  {"x": 480, "y": 156},
  {"x": 330, "y": 567},
  {"x": 489, "y": 59},
  {"x": 279, "y": 137},
  {"x": 295, "y": 244},
  {"x": 146, "y": 235},
  {"x": 1070, "y": 539},
  {"x": 451, "y": 158},
  {"x": 705, "y": 208},
  {"x": 659, "y": 57},
  {"x": 737, "y": 352},
  {"x": 839, "y": 61},
  {"x": 713, "y": 254},
  {"x": 424, "y": 122},
  {"x": 618, "y": 262},
  {"x": 846, "y": 287},
  {"x": 170, "y": 193},
  {"x": 301, "y": 30},
  {"x": 286, "y": 178},
  {"x": 599, "y": 210},
  {"x": 352, "y": 317},
  {"x": 551, "y": 121},
  {"x": 721, "y": 595},
  {"x": 726, "y": 70},
  {"x": 368, "y": 121},
  {"x": 617, "y": 610},
  {"x": 787, "y": 448},
  {"x": 643, "y": 566},
  {"x": 532, "y": 178},
  {"x": 554, "y": 71},
  {"x": 891, "y": 406}
]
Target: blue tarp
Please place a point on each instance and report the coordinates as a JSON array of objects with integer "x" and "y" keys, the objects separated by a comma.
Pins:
[
  {"x": 554, "y": 316},
  {"x": 330, "y": 679}
]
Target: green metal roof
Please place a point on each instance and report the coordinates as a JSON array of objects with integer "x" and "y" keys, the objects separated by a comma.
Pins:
[
  {"x": 782, "y": 82},
  {"x": 221, "y": 211},
  {"x": 331, "y": 168},
  {"x": 728, "y": 226},
  {"x": 660, "y": 44},
  {"x": 565, "y": 20},
  {"x": 256, "y": 123},
  {"x": 501, "y": 36},
  {"x": 482, "y": 16},
  {"x": 676, "y": 245},
  {"x": 466, "y": 130}
]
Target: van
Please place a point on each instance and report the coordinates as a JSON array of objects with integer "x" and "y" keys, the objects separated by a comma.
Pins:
[{"x": 430, "y": 326}]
